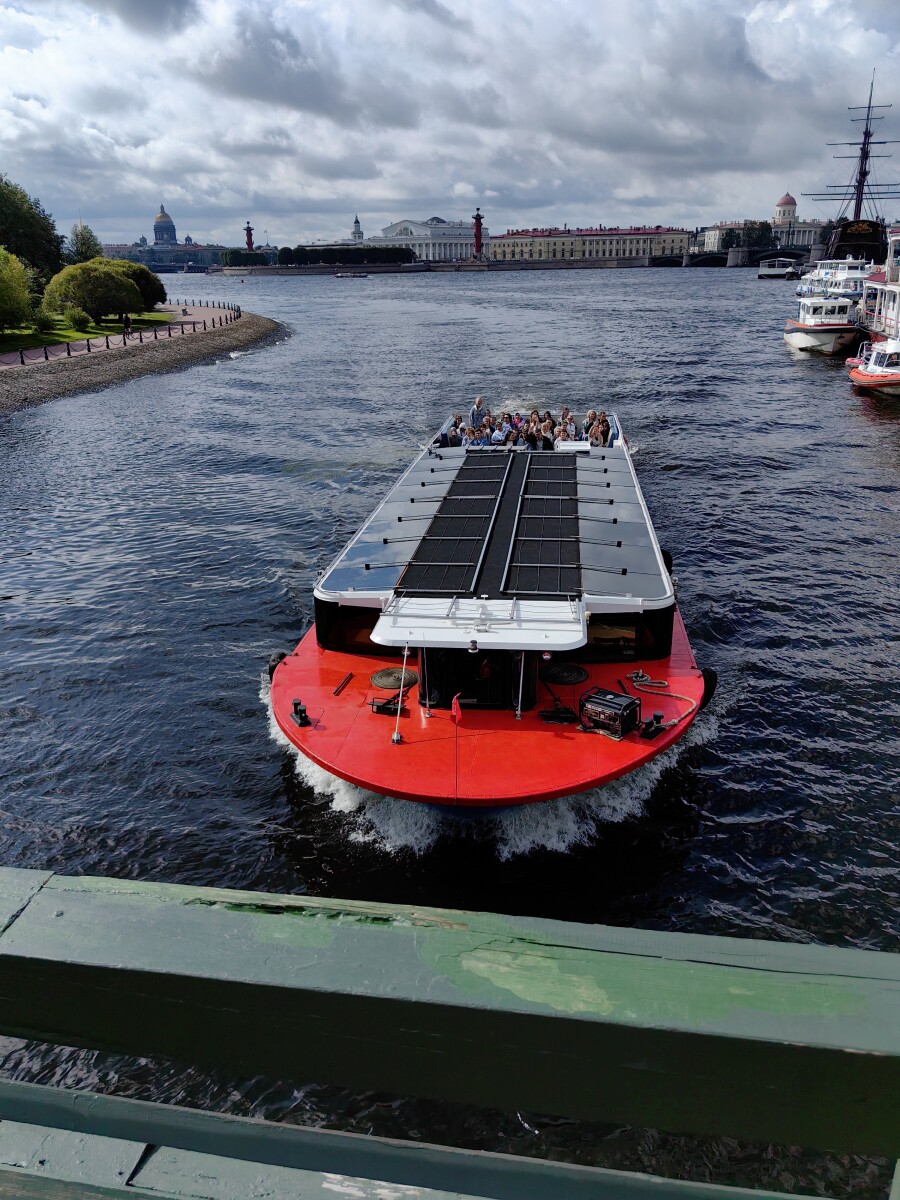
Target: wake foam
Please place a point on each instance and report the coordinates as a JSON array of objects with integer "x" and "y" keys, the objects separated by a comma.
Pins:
[{"x": 394, "y": 826}]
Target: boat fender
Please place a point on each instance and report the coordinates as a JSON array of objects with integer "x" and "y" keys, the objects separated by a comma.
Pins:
[
  {"x": 710, "y": 679},
  {"x": 667, "y": 559},
  {"x": 274, "y": 660}
]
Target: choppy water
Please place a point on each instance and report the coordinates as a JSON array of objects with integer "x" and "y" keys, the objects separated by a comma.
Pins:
[{"x": 159, "y": 539}]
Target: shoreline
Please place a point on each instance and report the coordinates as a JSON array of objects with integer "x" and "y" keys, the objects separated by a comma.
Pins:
[{"x": 27, "y": 387}]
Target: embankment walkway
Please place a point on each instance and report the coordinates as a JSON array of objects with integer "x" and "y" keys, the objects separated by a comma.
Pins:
[{"x": 195, "y": 332}]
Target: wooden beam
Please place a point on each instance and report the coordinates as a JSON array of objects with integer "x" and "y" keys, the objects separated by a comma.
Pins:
[
  {"x": 761, "y": 1041},
  {"x": 215, "y": 1155}
]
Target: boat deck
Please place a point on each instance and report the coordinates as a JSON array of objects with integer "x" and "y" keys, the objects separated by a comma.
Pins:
[{"x": 487, "y": 758}]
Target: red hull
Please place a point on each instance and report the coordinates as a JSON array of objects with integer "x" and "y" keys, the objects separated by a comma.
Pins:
[
  {"x": 875, "y": 383},
  {"x": 489, "y": 758}
]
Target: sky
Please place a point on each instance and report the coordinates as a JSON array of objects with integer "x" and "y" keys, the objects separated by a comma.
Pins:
[{"x": 298, "y": 114}]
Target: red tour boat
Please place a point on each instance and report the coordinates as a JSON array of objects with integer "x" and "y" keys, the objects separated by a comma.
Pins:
[{"x": 502, "y": 629}]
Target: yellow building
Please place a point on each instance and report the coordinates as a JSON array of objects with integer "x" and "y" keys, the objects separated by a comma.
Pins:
[{"x": 636, "y": 242}]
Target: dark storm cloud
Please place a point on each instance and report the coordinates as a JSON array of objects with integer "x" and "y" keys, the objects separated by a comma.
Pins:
[
  {"x": 304, "y": 76},
  {"x": 436, "y": 12},
  {"x": 158, "y": 16}
]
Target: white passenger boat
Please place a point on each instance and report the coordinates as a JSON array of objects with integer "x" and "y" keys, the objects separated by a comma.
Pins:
[
  {"x": 823, "y": 326},
  {"x": 777, "y": 268},
  {"x": 840, "y": 278}
]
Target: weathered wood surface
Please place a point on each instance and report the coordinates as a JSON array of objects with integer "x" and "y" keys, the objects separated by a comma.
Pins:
[
  {"x": 761, "y": 1041},
  {"x": 243, "y": 1167}
]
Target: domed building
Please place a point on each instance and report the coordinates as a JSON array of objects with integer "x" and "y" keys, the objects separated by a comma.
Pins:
[
  {"x": 786, "y": 208},
  {"x": 165, "y": 253},
  {"x": 789, "y": 230},
  {"x": 164, "y": 229}
]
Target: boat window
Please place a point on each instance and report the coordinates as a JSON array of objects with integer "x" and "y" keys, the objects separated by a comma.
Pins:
[
  {"x": 486, "y": 679},
  {"x": 817, "y": 310},
  {"x": 878, "y": 360},
  {"x": 624, "y": 637},
  {"x": 347, "y": 628},
  {"x": 830, "y": 310}
]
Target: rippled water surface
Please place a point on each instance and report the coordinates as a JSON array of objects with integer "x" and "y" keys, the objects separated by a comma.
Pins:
[{"x": 159, "y": 539}]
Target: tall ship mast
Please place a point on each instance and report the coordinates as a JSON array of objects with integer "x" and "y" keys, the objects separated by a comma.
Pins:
[{"x": 859, "y": 230}]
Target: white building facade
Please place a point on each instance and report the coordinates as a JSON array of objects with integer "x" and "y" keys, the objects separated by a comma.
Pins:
[{"x": 434, "y": 240}]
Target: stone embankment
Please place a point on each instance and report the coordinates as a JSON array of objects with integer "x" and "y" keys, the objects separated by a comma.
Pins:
[{"x": 24, "y": 387}]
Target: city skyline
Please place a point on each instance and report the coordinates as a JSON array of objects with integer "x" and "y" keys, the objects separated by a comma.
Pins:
[{"x": 674, "y": 112}]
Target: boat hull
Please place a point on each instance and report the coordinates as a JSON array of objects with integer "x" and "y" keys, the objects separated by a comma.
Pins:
[
  {"x": 487, "y": 759},
  {"x": 887, "y": 385},
  {"x": 821, "y": 339}
]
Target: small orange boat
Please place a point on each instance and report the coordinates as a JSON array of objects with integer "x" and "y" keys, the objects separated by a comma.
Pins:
[
  {"x": 878, "y": 367},
  {"x": 502, "y": 630}
]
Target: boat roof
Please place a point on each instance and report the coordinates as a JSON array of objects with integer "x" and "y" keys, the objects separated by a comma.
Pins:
[{"x": 508, "y": 537}]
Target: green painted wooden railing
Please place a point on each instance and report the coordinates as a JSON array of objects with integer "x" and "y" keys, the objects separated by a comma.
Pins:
[{"x": 761, "y": 1041}]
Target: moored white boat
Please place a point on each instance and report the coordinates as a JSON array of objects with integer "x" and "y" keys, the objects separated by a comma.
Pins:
[
  {"x": 529, "y": 591},
  {"x": 777, "y": 268},
  {"x": 823, "y": 326},
  {"x": 842, "y": 278}
]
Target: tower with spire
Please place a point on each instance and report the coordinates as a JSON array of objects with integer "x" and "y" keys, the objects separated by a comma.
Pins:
[{"x": 357, "y": 233}]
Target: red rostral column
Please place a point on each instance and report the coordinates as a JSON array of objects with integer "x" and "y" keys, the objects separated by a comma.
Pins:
[
  {"x": 248, "y": 230},
  {"x": 478, "y": 219}
]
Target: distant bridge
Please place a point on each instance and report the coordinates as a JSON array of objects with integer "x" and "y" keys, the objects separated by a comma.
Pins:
[{"x": 749, "y": 256}]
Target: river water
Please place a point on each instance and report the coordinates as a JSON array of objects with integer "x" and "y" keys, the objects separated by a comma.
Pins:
[{"x": 160, "y": 538}]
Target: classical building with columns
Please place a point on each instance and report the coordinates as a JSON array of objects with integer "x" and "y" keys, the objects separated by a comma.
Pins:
[
  {"x": 788, "y": 230},
  {"x": 637, "y": 241},
  {"x": 434, "y": 240}
]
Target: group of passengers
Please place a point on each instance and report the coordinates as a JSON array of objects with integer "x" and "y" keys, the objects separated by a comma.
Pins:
[{"x": 537, "y": 431}]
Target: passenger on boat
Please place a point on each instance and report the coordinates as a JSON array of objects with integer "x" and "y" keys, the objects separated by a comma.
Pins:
[
  {"x": 535, "y": 417},
  {"x": 531, "y": 440},
  {"x": 605, "y": 427},
  {"x": 595, "y": 435},
  {"x": 548, "y": 416},
  {"x": 470, "y": 439},
  {"x": 568, "y": 423},
  {"x": 498, "y": 437},
  {"x": 512, "y": 438},
  {"x": 546, "y": 436},
  {"x": 562, "y": 436},
  {"x": 477, "y": 413},
  {"x": 454, "y": 436},
  {"x": 587, "y": 423}
]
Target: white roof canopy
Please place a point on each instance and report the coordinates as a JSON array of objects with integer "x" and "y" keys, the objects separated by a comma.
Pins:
[{"x": 512, "y": 624}]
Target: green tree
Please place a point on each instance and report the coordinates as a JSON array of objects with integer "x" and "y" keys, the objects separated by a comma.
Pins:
[
  {"x": 27, "y": 231},
  {"x": 730, "y": 239},
  {"x": 83, "y": 244},
  {"x": 147, "y": 282},
  {"x": 95, "y": 287},
  {"x": 758, "y": 234},
  {"x": 285, "y": 256},
  {"x": 15, "y": 302}
]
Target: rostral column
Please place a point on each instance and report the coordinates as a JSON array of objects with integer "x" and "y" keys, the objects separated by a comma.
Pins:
[{"x": 478, "y": 219}]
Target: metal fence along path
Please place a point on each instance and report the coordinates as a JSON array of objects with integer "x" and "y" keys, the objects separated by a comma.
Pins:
[{"x": 193, "y": 317}]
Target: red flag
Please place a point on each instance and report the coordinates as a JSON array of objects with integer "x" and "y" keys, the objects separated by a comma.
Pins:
[{"x": 456, "y": 710}]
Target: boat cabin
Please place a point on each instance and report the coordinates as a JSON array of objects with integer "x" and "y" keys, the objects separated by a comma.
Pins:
[
  {"x": 484, "y": 563},
  {"x": 777, "y": 268},
  {"x": 824, "y": 311}
]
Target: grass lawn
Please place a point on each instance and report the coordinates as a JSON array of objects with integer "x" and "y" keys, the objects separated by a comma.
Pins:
[{"x": 27, "y": 338}]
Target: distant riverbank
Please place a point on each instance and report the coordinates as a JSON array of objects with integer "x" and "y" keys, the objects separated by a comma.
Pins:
[{"x": 28, "y": 386}]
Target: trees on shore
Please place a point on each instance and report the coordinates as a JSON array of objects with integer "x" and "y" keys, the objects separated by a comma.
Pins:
[
  {"x": 15, "y": 301},
  {"x": 95, "y": 286}
]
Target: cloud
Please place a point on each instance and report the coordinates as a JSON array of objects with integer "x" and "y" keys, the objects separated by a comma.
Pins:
[
  {"x": 435, "y": 11},
  {"x": 299, "y": 114},
  {"x": 155, "y": 16}
]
